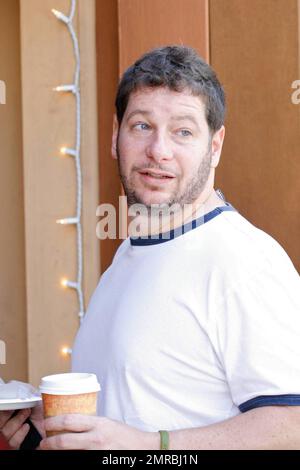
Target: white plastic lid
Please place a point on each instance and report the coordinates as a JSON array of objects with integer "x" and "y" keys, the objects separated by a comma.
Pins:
[{"x": 69, "y": 384}]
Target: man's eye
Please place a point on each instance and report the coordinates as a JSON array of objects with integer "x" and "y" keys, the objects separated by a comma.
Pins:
[
  {"x": 185, "y": 132},
  {"x": 141, "y": 126}
]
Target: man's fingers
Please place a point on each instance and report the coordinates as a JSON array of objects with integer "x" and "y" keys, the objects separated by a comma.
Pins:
[
  {"x": 82, "y": 433},
  {"x": 14, "y": 424},
  {"x": 71, "y": 422},
  {"x": 19, "y": 436},
  {"x": 4, "y": 417}
]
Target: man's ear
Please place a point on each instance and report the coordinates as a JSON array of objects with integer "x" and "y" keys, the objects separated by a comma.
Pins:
[
  {"x": 114, "y": 153},
  {"x": 216, "y": 146}
]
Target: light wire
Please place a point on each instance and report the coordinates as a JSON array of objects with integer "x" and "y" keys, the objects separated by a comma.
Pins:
[{"x": 75, "y": 89}]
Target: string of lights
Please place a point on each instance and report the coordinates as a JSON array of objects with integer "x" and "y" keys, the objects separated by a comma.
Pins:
[{"x": 75, "y": 154}]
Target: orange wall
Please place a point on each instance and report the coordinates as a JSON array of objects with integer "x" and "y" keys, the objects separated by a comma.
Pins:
[
  {"x": 254, "y": 48},
  {"x": 13, "y": 329},
  {"x": 107, "y": 81}
]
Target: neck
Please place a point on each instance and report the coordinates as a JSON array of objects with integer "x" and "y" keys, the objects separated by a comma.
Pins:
[{"x": 203, "y": 205}]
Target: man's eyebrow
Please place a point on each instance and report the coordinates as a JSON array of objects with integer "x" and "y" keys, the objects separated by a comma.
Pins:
[
  {"x": 138, "y": 111},
  {"x": 182, "y": 117},
  {"x": 185, "y": 117}
]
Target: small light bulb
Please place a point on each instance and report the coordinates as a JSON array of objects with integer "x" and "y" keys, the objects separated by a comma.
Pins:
[
  {"x": 66, "y": 88},
  {"x": 70, "y": 284},
  {"x": 68, "y": 151},
  {"x": 65, "y": 351},
  {"x": 68, "y": 221},
  {"x": 60, "y": 16},
  {"x": 55, "y": 12}
]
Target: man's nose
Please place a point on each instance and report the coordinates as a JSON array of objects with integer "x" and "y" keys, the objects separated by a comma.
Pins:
[{"x": 159, "y": 148}]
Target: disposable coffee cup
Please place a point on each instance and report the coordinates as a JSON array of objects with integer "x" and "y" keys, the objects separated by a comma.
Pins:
[{"x": 68, "y": 394}]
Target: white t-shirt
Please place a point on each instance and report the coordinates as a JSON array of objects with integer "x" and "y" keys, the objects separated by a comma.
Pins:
[{"x": 192, "y": 330}]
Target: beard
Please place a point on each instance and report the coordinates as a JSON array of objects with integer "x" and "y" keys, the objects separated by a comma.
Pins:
[{"x": 187, "y": 195}]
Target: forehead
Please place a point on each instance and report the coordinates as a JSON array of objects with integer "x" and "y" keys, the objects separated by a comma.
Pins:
[{"x": 163, "y": 101}]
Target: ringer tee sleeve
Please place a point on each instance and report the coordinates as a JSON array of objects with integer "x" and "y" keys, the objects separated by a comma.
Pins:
[{"x": 258, "y": 337}]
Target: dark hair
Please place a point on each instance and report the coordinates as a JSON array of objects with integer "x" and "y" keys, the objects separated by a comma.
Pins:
[{"x": 175, "y": 67}]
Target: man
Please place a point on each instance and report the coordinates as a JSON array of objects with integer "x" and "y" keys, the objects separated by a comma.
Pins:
[{"x": 194, "y": 328}]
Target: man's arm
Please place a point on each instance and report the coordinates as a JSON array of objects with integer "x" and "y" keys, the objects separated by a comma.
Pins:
[{"x": 269, "y": 427}]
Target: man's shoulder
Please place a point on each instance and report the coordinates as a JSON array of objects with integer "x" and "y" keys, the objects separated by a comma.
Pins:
[
  {"x": 238, "y": 246},
  {"x": 242, "y": 235}
]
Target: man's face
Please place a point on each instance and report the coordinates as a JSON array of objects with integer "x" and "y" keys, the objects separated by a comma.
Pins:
[{"x": 163, "y": 147}]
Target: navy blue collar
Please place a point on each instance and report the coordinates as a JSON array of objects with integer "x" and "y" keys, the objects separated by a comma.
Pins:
[{"x": 166, "y": 236}]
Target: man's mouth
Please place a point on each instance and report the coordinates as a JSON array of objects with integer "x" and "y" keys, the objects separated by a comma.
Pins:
[{"x": 154, "y": 174}]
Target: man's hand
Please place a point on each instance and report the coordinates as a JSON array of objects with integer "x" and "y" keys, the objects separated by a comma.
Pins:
[
  {"x": 14, "y": 429},
  {"x": 37, "y": 418},
  {"x": 93, "y": 432}
]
